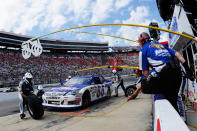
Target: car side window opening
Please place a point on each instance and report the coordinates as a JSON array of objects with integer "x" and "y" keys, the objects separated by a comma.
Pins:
[
  {"x": 97, "y": 80},
  {"x": 102, "y": 79}
]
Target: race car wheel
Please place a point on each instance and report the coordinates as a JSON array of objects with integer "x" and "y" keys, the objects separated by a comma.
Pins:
[
  {"x": 34, "y": 107},
  {"x": 108, "y": 92},
  {"x": 86, "y": 99},
  {"x": 130, "y": 90}
]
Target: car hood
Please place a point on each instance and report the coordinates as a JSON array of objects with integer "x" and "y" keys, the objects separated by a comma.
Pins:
[{"x": 67, "y": 88}]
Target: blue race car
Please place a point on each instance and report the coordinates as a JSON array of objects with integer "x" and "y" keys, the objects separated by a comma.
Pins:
[{"x": 78, "y": 91}]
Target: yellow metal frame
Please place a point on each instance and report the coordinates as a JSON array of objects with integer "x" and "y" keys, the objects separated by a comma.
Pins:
[
  {"x": 101, "y": 67},
  {"x": 135, "y": 25},
  {"x": 106, "y": 35}
]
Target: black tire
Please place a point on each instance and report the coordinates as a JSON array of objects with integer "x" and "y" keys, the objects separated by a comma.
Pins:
[
  {"x": 86, "y": 99},
  {"x": 130, "y": 90},
  {"x": 108, "y": 93},
  {"x": 34, "y": 107}
]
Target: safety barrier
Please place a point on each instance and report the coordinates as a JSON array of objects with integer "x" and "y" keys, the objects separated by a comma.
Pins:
[{"x": 166, "y": 117}]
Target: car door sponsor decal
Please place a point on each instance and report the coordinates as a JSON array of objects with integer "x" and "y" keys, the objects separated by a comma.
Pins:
[{"x": 93, "y": 91}]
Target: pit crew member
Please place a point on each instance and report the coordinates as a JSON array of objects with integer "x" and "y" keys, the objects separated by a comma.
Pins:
[
  {"x": 162, "y": 60},
  {"x": 25, "y": 89}
]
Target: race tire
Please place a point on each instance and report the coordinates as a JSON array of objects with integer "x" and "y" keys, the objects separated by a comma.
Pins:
[
  {"x": 130, "y": 90},
  {"x": 34, "y": 107},
  {"x": 86, "y": 99},
  {"x": 108, "y": 92}
]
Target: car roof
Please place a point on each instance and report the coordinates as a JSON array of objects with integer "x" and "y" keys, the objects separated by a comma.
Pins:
[{"x": 90, "y": 76}]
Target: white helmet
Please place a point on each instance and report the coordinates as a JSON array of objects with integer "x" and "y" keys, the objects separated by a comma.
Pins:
[
  {"x": 69, "y": 77},
  {"x": 114, "y": 71},
  {"x": 40, "y": 87},
  {"x": 28, "y": 75}
]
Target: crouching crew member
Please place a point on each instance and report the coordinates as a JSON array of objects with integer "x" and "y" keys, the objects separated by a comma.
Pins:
[{"x": 25, "y": 89}]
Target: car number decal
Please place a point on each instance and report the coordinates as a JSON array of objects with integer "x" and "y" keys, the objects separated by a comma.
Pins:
[{"x": 98, "y": 92}]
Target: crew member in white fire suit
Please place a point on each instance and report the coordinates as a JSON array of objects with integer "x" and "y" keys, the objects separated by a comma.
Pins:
[{"x": 117, "y": 78}]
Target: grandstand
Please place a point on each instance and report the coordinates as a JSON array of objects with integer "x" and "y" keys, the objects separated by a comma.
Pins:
[
  {"x": 14, "y": 40},
  {"x": 60, "y": 59}
]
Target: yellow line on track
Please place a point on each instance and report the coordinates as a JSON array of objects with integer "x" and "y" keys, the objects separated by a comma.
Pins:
[{"x": 98, "y": 115}]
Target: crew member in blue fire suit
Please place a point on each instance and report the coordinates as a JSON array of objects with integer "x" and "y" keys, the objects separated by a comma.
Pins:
[
  {"x": 166, "y": 75},
  {"x": 25, "y": 89}
]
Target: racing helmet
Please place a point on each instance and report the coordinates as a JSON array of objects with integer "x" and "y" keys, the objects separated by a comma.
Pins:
[
  {"x": 69, "y": 77},
  {"x": 114, "y": 71},
  {"x": 28, "y": 76}
]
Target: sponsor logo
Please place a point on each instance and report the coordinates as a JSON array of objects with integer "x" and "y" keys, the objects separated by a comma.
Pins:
[
  {"x": 157, "y": 46},
  {"x": 52, "y": 97},
  {"x": 172, "y": 37},
  {"x": 54, "y": 102},
  {"x": 162, "y": 53}
]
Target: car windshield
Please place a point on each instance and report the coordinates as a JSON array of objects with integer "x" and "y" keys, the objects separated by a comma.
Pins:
[{"x": 79, "y": 80}]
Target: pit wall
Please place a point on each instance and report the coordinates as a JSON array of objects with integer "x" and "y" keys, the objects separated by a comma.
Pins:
[{"x": 166, "y": 117}]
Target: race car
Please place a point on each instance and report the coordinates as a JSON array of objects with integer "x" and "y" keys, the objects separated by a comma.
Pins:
[{"x": 78, "y": 91}]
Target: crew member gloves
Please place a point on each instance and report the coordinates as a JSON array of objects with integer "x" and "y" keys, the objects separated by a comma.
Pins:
[
  {"x": 152, "y": 74},
  {"x": 188, "y": 71}
]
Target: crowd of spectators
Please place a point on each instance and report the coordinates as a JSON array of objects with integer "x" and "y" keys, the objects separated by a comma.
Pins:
[
  {"x": 52, "y": 68},
  {"x": 125, "y": 49}
]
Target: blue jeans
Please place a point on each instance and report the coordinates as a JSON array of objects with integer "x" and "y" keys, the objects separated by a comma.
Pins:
[{"x": 120, "y": 84}]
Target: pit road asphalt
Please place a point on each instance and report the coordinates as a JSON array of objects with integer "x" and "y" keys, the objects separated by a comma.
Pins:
[{"x": 135, "y": 115}]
